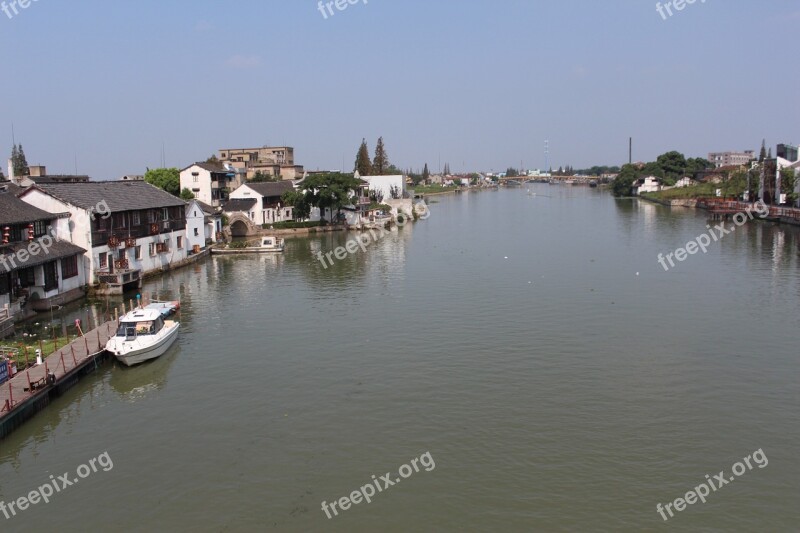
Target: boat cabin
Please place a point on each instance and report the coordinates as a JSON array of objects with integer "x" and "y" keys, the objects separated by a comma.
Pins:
[{"x": 140, "y": 322}]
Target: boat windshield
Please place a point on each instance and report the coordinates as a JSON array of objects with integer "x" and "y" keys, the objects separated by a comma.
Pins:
[{"x": 134, "y": 329}]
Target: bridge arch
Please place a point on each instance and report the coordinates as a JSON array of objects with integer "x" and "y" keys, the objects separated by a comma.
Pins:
[{"x": 240, "y": 225}]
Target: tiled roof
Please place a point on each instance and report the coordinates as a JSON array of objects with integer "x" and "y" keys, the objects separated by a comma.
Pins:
[
  {"x": 7, "y": 186},
  {"x": 59, "y": 250},
  {"x": 271, "y": 188},
  {"x": 118, "y": 195},
  {"x": 233, "y": 206},
  {"x": 211, "y": 167},
  {"x": 15, "y": 211}
]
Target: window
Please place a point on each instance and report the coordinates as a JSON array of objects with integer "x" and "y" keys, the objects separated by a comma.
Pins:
[
  {"x": 136, "y": 218},
  {"x": 180, "y": 243},
  {"x": 103, "y": 260},
  {"x": 5, "y": 283},
  {"x": 138, "y": 253},
  {"x": 165, "y": 213},
  {"x": 152, "y": 249},
  {"x": 69, "y": 267},
  {"x": 39, "y": 228},
  {"x": 196, "y": 232}
]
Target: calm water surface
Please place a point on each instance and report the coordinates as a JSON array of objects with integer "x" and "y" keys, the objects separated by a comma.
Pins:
[{"x": 560, "y": 379}]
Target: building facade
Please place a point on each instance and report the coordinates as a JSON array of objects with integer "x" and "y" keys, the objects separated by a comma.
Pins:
[
  {"x": 129, "y": 228},
  {"x": 725, "y": 159},
  {"x": 275, "y": 161},
  {"x": 268, "y": 207},
  {"x": 210, "y": 183},
  {"x": 37, "y": 270}
]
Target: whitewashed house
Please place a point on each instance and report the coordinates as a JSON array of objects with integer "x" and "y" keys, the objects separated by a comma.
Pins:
[
  {"x": 267, "y": 208},
  {"x": 209, "y": 182},
  {"x": 195, "y": 226},
  {"x": 388, "y": 187},
  {"x": 36, "y": 270},
  {"x": 130, "y": 228},
  {"x": 648, "y": 184}
]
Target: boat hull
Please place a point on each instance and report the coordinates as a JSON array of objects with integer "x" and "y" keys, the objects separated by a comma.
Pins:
[
  {"x": 216, "y": 251},
  {"x": 138, "y": 356}
]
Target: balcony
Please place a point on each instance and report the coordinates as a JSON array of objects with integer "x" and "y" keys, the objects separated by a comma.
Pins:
[
  {"x": 120, "y": 280},
  {"x": 101, "y": 236}
]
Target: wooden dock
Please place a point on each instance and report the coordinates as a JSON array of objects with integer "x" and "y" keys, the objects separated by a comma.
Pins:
[{"x": 31, "y": 390}]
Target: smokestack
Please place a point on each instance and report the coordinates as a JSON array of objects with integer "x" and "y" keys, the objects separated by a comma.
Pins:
[
  {"x": 11, "y": 171},
  {"x": 630, "y": 150}
]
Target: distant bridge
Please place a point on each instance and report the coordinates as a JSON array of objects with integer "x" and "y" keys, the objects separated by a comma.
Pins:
[{"x": 577, "y": 180}]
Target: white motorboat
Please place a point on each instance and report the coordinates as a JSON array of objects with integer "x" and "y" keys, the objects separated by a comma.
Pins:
[{"x": 143, "y": 334}]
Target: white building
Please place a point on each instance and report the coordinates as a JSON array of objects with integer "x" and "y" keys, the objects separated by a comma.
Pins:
[
  {"x": 130, "y": 228},
  {"x": 36, "y": 270},
  {"x": 209, "y": 182},
  {"x": 203, "y": 224},
  {"x": 268, "y": 206},
  {"x": 648, "y": 184},
  {"x": 388, "y": 186}
]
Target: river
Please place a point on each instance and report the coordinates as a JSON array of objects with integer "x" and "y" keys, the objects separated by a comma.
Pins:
[{"x": 559, "y": 378}]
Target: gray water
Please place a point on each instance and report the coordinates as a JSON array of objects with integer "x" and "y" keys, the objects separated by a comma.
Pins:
[{"x": 559, "y": 377}]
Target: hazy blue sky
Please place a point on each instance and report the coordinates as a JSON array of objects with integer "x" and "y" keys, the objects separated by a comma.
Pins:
[{"x": 482, "y": 83}]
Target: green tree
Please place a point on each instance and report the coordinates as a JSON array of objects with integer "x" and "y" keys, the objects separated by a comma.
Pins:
[
  {"x": 788, "y": 182},
  {"x": 299, "y": 201},
  {"x": 763, "y": 154},
  {"x": 19, "y": 162},
  {"x": 263, "y": 177},
  {"x": 673, "y": 164},
  {"x": 623, "y": 183},
  {"x": 213, "y": 159},
  {"x": 168, "y": 179},
  {"x": 186, "y": 194},
  {"x": 332, "y": 190},
  {"x": 512, "y": 172},
  {"x": 363, "y": 164},
  {"x": 426, "y": 175},
  {"x": 380, "y": 164}
]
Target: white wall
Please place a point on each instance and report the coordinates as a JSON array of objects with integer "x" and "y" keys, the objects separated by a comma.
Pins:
[
  {"x": 385, "y": 183},
  {"x": 195, "y": 226},
  {"x": 203, "y": 183}
]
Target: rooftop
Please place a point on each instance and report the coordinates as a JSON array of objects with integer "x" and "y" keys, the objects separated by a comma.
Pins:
[
  {"x": 118, "y": 195},
  {"x": 271, "y": 188},
  {"x": 15, "y": 211}
]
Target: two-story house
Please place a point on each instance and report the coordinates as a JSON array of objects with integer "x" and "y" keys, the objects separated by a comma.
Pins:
[
  {"x": 130, "y": 228},
  {"x": 37, "y": 271},
  {"x": 209, "y": 182},
  {"x": 268, "y": 207}
]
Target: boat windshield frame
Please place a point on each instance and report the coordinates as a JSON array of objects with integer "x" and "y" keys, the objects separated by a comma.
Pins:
[{"x": 134, "y": 329}]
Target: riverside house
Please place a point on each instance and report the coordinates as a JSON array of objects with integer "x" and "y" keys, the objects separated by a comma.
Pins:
[
  {"x": 268, "y": 207},
  {"x": 36, "y": 270},
  {"x": 209, "y": 182},
  {"x": 203, "y": 224},
  {"x": 130, "y": 228}
]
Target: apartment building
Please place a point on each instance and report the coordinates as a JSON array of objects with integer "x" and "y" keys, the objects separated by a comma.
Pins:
[{"x": 276, "y": 161}]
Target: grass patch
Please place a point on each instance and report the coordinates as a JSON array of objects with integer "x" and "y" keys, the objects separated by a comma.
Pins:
[
  {"x": 293, "y": 225},
  {"x": 49, "y": 346},
  {"x": 701, "y": 190}
]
